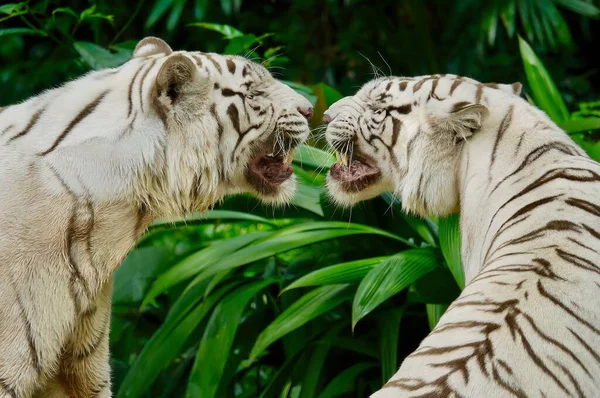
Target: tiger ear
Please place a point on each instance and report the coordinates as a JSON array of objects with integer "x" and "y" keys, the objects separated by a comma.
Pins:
[
  {"x": 151, "y": 46},
  {"x": 457, "y": 119},
  {"x": 178, "y": 84},
  {"x": 514, "y": 88}
]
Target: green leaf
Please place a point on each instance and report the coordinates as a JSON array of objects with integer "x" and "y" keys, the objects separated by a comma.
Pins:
[
  {"x": 200, "y": 9},
  {"x": 194, "y": 263},
  {"x": 389, "y": 333},
  {"x": 308, "y": 307},
  {"x": 437, "y": 287},
  {"x": 164, "y": 346},
  {"x": 308, "y": 197},
  {"x": 313, "y": 373},
  {"x": 134, "y": 275},
  {"x": 579, "y": 125},
  {"x": 240, "y": 45},
  {"x": 349, "y": 272},
  {"x": 90, "y": 13},
  {"x": 286, "y": 239},
  {"x": 11, "y": 7},
  {"x": 217, "y": 340},
  {"x": 175, "y": 15},
  {"x": 434, "y": 313},
  {"x": 213, "y": 215},
  {"x": 587, "y": 9},
  {"x": 98, "y": 57},
  {"x": 359, "y": 346},
  {"x": 420, "y": 225},
  {"x": 345, "y": 382},
  {"x": 227, "y": 31},
  {"x": 158, "y": 10},
  {"x": 450, "y": 243},
  {"x": 314, "y": 157},
  {"x": 390, "y": 278},
  {"x": 66, "y": 10},
  {"x": 22, "y": 32},
  {"x": 544, "y": 91}
]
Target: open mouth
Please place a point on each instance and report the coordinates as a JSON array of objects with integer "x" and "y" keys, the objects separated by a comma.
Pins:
[
  {"x": 355, "y": 174},
  {"x": 267, "y": 171}
]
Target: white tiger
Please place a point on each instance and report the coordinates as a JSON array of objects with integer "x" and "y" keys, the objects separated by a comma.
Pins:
[
  {"x": 85, "y": 168},
  {"x": 528, "y": 322}
]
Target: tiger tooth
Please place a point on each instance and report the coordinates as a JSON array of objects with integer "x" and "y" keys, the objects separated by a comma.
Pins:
[
  {"x": 343, "y": 159},
  {"x": 287, "y": 159}
]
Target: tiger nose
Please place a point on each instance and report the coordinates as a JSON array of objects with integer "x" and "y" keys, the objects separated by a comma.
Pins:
[{"x": 306, "y": 112}]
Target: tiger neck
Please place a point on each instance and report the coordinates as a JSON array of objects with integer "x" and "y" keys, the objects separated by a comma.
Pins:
[{"x": 496, "y": 166}]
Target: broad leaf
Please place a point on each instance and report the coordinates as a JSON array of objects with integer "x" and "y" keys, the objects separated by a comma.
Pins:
[
  {"x": 313, "y": 157},
  {"x": 217, "y": 340},
  {"x": 434, "y": 313},
  {"x": 98, "y": 57},
  {"x": 227, "y": 31},
  {"x": 349, "y": 272},
  {"x": 389, "y": 334},
  {"x": 450, "y": 243},
  {"x": 390, "y": 278},
  {"x": 544, "y": 91},
  {"x": 308, "y": 307},
  {"x": 345, "y": 382}
]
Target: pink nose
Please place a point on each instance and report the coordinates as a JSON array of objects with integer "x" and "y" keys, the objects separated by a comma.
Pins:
[{"x": 306, "y": 112}]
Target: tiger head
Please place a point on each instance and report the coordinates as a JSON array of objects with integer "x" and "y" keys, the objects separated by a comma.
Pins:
[
  {"x": 405, "y": 135},
  {"x": 230, "y": 127}
]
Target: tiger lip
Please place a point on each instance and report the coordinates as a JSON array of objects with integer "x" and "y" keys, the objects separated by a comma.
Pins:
[
  {"x": 267, "y": 171},
  {"x": 356, "y": 173}
]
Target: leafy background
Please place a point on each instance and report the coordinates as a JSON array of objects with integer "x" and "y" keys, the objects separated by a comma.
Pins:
[{"x": 310, "y": 300}]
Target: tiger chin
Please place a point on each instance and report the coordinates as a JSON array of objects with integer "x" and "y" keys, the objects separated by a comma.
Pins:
[
  {"x": 86, "y": 167},
  {"x": 527, "y": 323}
]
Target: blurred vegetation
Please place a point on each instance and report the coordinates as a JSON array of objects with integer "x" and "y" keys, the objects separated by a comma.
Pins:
[{"x": 311, "y": 300}]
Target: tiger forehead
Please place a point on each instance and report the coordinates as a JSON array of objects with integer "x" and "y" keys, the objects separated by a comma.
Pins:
[{"x": 231, "y": 65}]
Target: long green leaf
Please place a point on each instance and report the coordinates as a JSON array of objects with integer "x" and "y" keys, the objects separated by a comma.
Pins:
[
  {"x": 313, "y": 157},
  {"x": 164, "y": 346},
  {"x": 193, "y": 264},
  {"x": 227, "y": 31},
  {"x": 390, "y": 278},
  {"x": 345, "y": 382},
  {"x": 587, "y": 9},
  {"x": 22, "y": 32},
  {"x": 544, "y": 91},
  {"x": 286, "y": 239},
  {"x": 434, "y": 313},
  {"x": 98, "y": 57},
  {"x": 311, "y": 377},
  {"x": 579, "y": 125},
  {"x": 158, "y": 10},
  {"x": 308, "y": 307},
  {"x": 217, "y": 340},
  {"x": 349, "y": 272},
  {"x": 214, "y": 215},
  {"x": 450, "y": 243},
  {"x": 389, "y": 334}
]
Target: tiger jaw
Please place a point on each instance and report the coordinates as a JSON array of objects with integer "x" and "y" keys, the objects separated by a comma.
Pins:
[
  {"x": 267, "y": 171},
  {"x": 355, "y": 174}
]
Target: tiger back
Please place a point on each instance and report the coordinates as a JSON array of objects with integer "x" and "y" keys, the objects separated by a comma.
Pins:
[
  {"x": 86, "y": 167},
  {"x": 527, "y": 323}
]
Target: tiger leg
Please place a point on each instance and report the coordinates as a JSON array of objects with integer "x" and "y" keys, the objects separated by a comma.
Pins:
[{"x": 85, "y": 369}]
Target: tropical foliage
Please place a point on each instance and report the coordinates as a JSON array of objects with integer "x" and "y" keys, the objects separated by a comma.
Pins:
[{"x": 308, "y": 300}]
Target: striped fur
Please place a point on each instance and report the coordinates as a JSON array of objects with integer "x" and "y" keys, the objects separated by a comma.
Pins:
[
  {"x": 84, "y": 169},
  {"x": 528, "y": 322}
]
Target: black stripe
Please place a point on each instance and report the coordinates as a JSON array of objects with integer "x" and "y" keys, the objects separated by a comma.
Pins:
[
  {"x": 234, "y": 115},
  {"x": 584, "y": 205},
  {"x": 230, "y": 66},
  {"x": 537, "y": 360},
  {"x": 501, "y": 129},
  {"x": 214, "y": 62},
  {"x": 455, "y": 84},
  {"x": 10, "y": 126},
  {"x": 577, "y": 261},
  {"x": 569, "y": 311},
  {"x": 34, "y": 353},
  {"x": 591, "y": 231},
  {"x": 418, "y": 85},
  {"x": 89, "y": 109},
  {"x": 585, "y": 345},
  {"x": 130, "y": 91},
  {"x": 571, "y": 378},
  {"x": 34, "y": 119},
  {"x": 402, "y": 85},
  {"x": 478, "y": 93},
  {"x": 142, "y": 78},
  {"x": 535, "y": 155}
]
